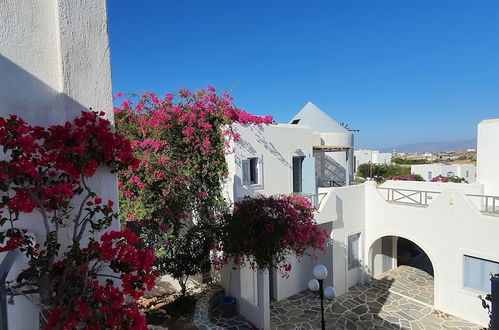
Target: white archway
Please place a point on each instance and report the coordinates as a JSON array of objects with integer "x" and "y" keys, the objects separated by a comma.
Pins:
[{"x": 382, "y": 257}]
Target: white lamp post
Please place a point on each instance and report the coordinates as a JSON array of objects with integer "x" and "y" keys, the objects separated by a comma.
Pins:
[{"x": 317, "y": 284}]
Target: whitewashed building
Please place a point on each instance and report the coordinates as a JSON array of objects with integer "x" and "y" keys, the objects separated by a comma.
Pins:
[
  {"x": 430, "y": 171},
  {"x": 308, "y": 156},
  {"x": 455, "y": 225},
  {"x": 371, "y": 156}
]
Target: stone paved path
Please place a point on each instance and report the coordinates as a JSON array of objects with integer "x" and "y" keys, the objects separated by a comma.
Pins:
[
  {"x": 365, "y": 306},
  {"x": 235, "y": 322},
  {"x": 408, "y": 281}
]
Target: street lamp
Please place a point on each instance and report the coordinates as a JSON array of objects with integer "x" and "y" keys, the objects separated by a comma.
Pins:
[{"x": 317, "y": 284}]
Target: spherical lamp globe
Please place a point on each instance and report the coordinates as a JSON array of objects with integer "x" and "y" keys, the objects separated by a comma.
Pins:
[
  {"x": 313, "y": 285},
  {"x": 329, "y": 292},
  {"x": 320, "y": 272}
]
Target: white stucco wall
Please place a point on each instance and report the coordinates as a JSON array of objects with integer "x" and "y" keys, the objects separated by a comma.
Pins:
[
  {"x": 488, "y": 156},
  {"x": 349, "y": 220},
  {"x": 433, "y": 189},
  {"x": 301, "y": 270},
  {"x": 446, "y": 230},
  {"x": 466, "y": 171},
  {"x": 54, "y": 62},
  {"x": 373, "y": 156},
  {"x": 275, "y": 146}
]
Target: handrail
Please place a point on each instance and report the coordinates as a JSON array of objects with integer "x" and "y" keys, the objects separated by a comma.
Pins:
[
  {"x": 429, "y": 191},
  {"x": 492, "y": 207},
  {"x": 314, "y": 198},
  {"x": 408, "y": 196},
  {"x": 5, "y": 267},
  {"x": 489, "y": 204}
]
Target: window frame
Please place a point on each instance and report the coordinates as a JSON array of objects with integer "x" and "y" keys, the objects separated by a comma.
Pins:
[
  {"x": 252, "y": 165},
  {"x": 465, "y": 282}
]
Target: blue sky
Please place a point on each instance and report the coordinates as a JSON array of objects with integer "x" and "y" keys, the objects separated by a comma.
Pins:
[{"x": 401, "y": 71}]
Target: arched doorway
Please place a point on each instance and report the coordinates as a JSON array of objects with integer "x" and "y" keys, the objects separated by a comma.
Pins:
[{"x": 403, "y": 267}]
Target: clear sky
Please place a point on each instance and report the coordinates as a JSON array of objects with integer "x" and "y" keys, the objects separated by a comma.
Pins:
[{"x": 401, "y": 71}]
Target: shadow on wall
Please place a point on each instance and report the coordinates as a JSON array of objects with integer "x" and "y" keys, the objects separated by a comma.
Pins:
[
  {"x": 333, "y": 170},
  {"x": 330, "y": 172},
  {"x": 241, "y": 190},
  {"x": 27, "y": 96},
  {"x": 258, "y": 130},
  {"x": 338, "y": 223}
]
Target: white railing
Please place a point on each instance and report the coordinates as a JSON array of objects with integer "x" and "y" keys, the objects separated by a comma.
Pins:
[
  {"x": 315, "y": 199},
  {"x": 489, "y": 204},
  {"x": 485, "y": 203},
  {"x": 408, "y": 196}
]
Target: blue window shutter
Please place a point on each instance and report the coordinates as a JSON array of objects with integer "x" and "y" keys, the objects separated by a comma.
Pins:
[{"x": 308, "y": 176}]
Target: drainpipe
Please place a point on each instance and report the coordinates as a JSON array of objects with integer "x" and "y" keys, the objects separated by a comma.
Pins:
[{"x": 494, "y": 318}]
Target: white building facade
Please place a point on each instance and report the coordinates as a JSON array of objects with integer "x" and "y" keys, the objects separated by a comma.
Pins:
[
  {"x": 454, "y": 224},
  {"x": 371, "y": 156},
  {"x": 333, "y": 150},
  {"x": 430, "y": 171},
  {"x": 285, "y": 159}
]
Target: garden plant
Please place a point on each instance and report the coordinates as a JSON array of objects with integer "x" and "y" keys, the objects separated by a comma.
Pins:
[
  {"x": 85, "y": 278},
  {"x": 264, "y": 231},
  {"x": 174, "y": 198}
]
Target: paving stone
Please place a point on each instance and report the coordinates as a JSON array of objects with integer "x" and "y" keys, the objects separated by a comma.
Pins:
[{"x": 369, "y": 306}]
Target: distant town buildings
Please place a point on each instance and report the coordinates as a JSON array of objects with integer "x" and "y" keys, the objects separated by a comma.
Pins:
[
  {"x": 430, "y": 171},
  {"x": 371, "y": 156}
]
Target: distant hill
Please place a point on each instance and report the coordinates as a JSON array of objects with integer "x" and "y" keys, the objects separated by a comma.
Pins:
[{"x": 434, "y": 146}]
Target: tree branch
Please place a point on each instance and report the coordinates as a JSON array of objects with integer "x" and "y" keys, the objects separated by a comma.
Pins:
[
  {"x": 42, "y": 211},
  {"x": 76, "y": 235}
]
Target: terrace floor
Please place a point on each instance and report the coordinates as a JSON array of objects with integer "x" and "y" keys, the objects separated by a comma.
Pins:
[
  {"x": 409, "y": 282},
  {"x": 365, "y": 306},
  {"x": 398, "y": 299}
]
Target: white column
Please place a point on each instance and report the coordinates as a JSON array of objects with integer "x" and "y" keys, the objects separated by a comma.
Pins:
[
  {"x": 54, "y": 62},
  {"x": 263, "y": 300},
  {"x": 349, "y": 169}
]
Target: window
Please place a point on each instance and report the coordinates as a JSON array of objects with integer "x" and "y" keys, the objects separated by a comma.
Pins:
[
  {"x": 298, "y": 174},
  {"x": 353, "y": 251},
  {"x": 296, "y": 121},
  {"x": 430, "y": 175},
  {"x": 477, "y": 273},
  {"x": 467, "y": 174},
  {"x": 250, "y": 170},
  {"x": 450, "y": 174}
]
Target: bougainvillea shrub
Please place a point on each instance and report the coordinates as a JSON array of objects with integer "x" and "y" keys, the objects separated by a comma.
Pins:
[
  {"x": 454, "y": 179},
  {"x": 45, "y": 172},
  {"x": 175, "y": 196},
  {"x": 264, "y": 231},
  {"x": 407, "y": 177}
]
